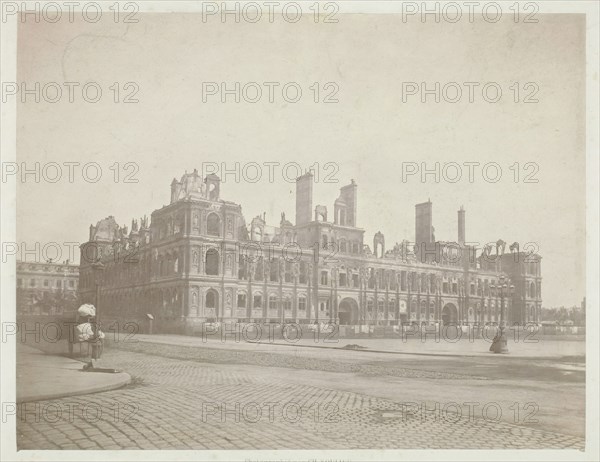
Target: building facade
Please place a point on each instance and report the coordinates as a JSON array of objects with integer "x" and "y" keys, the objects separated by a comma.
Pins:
[
  {"x": 46, "y": 288},
  {"x": 197, "y": 260}
]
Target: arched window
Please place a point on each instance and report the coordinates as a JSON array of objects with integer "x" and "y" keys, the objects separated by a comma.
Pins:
[
  {"x": 213, "y": 193},
  {"x": 287, "y": 304},
  {"x": 211, "y": 299},
  {"x": 257, "y": 233},
  {"x": 213, "y": 225},
  {"x": 272, "y": 302},
  {"x": 212, "y": 262}
]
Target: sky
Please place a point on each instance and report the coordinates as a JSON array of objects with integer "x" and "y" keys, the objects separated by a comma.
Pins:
[{"x": 373, "y": 131}]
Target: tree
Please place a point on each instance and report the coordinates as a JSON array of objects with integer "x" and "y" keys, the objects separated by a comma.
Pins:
[
  {"x": 23, "y": 301},
  {"x": 44, "y": 302}
]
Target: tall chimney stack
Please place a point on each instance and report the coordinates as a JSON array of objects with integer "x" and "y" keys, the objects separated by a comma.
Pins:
[
  {"x": 423, "y": 224},
  {"x": 304, "y": 193},
  {"x": 461, "y": 226}
]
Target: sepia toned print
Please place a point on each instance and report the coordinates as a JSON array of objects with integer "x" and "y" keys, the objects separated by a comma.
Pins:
[{"x": 298, "y": 231}]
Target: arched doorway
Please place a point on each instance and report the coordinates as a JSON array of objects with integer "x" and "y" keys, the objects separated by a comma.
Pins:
[
  {"x": 348, "y": 311},
  {"x": 211, "y": 305},
  {"x": 449, "y": 314}
]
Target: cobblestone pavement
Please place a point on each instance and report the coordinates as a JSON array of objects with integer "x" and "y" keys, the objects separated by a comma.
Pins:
[{"x": 186, "y": 404}]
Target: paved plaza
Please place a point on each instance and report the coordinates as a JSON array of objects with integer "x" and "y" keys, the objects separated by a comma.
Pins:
[{"x": 185, "y": 395}]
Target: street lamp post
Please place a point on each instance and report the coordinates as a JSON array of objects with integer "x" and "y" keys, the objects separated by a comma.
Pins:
[
  {"x": 98, "y": 269},
  {"x": 500, "y": 344}
]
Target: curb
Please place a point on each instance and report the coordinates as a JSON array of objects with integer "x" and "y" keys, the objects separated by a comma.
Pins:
[{"x": 82, "y": 391}]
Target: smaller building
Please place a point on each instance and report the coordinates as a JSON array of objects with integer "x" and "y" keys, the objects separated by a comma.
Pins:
[{"x": 46, "y": 288}]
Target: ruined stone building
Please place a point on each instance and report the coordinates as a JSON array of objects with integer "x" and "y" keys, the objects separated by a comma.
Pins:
[{"x": 197, "y": 259}]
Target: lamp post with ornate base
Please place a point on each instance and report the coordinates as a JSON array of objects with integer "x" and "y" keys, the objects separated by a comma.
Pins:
[
  {"x": 98, "y": 269},
  {"x": 500, "y": 343}
]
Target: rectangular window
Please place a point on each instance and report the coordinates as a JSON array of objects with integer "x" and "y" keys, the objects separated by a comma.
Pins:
[
  {"x": 32, "y": 282},
  {"x": 258, "y": 301},
  {"x": 45, "y": 282},
  {"x": 71, "y": 283},
  {"x": 302, "y": 303},
  {"x": 303, "y": 270},
  {"x": 242, "y": 267},
  {"x": 59, "y": 284},
  {"x": 241, "y": 302},
  {"x": 273, "y": 270},
  {"x": 324, "y": 278}
]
